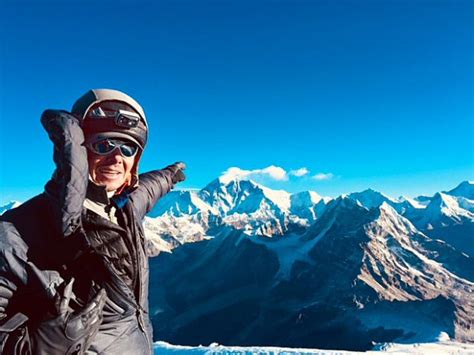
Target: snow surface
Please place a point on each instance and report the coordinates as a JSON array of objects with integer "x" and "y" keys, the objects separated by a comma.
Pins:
[
  {"x": 371, "y": 199},
  {"x": 438, "y": 348},
  {"x": 280, "y": 198},
  {"x": 414, "y": 203},
  {"x": 444, "y": 206},
  {"x": 291, "y": 249}
]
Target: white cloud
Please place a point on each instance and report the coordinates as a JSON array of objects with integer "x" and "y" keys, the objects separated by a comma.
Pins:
[
  {"x": 235, "y": 172},
  {"x": 323, "y": 176},
  {"x": 272, "y": 171},
  {"x": 299, "y": 172},
  {"x": 275, "y": 172}
]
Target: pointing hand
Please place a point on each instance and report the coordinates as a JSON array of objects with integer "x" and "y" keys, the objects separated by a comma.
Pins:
[{"x": 177, "y": 170}]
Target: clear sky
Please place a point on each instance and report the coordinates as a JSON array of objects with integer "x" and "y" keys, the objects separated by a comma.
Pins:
[{"x": 361, "y": 93}]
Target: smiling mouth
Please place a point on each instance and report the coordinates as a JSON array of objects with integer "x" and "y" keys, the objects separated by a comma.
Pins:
[{"x": 110, "y": 173}]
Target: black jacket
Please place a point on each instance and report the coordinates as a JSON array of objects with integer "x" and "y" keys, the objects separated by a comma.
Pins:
[{"x": 52, "y": 238}]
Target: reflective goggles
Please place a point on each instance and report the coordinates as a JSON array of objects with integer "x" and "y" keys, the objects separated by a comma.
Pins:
[{"x": 108, "y": 145}]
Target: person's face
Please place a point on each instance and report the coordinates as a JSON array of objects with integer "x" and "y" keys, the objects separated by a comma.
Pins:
[{"x": 111, "y": 170}]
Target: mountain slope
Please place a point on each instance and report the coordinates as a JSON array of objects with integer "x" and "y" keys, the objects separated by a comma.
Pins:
[{"x": 356, "y": 275}]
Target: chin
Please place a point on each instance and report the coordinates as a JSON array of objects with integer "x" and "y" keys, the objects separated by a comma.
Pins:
[
  {"x": 110, "y": 185},
  {"x": 113, "y": 187}
]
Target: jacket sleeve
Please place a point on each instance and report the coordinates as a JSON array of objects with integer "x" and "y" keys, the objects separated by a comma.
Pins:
[
  {"x": 153, "y": 185},
  {"x": 68, "y": 185},
  {"x": 18, "y": 273},
  {"x": 12, "y": 265}
]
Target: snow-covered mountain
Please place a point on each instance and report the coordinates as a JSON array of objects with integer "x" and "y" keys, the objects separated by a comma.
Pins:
[
  {"x": 464, "y": 189},
  {"x": 308, "y": 205},
  {"x": 241, "y": 204},
  {"x": 355, "y": 276},
  {"x": 259, "y": 211},
  {"x": 443, "y": 210},
  {"x": 370, "y": 198}
]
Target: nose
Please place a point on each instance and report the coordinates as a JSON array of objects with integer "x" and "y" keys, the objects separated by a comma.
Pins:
[{"x": 114, "y": 157}]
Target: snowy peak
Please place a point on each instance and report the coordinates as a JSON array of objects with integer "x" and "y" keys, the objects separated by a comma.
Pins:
[
  {"x": 279, "y": 197},
  {"x": 178, "y": 203},
  {"x": 446, "y": 205},
  {"x": 387, "y": 209},
  {"x": 464, "y": 189},
  {"x": 224, "y": 195},
  {"x": 411, "y": 202},
  {"x": 370, "y": 198},
  {"x": 246, "y": 205},
  {"x": 238, "y": 195},
  {"x": 307, "y": 205},
  {"x": 389, "y": 219},
  {"x": 345, "y": 212},
  {"x": 443, "y": 210}
]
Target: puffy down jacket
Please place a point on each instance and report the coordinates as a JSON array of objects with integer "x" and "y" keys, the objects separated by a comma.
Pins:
[{"x": 52, "y": 238}]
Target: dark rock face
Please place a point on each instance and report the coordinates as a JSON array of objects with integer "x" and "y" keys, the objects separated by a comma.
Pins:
[
  {"x": 355, "y": 277},
  {"x": 460, "y": 236}
]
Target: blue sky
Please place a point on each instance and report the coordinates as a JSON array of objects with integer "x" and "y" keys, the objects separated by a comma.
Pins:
[{"x": 370, "y": 93}]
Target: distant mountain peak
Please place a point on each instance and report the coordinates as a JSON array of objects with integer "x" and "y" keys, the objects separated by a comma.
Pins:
[
  {"x": 393, "y": 221},
  {"x": 444, "y": 199},
  {"x": 387, "y": 208},
  {"x": 346, "y": 202},
  {"x": 229, "y": 179},
  {"x": 443, "y": 210},
  {"x": 464, "y": 189},
  {"x": 371, "y": 198},
  {"x": 412, "y": 202}
]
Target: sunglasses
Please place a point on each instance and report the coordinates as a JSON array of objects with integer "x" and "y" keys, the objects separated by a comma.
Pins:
[{"x": 107, "y": 146}]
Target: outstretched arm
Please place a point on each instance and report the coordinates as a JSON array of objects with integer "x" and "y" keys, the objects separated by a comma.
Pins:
[{"x": 154, "y": 185}]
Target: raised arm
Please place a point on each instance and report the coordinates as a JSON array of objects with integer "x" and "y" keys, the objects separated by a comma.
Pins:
[
  {"x": 154, "y": 185},
  {"x": 68, "y": 185}
]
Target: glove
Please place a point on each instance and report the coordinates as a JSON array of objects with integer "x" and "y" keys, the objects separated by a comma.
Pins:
[
  {"x": 177, "y": 172},
  {"x": 69, "y": 332}
]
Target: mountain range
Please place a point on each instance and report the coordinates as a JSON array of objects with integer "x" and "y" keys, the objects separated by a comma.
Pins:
[
  {"x": 188, "y": 216},
  {"x": 256, "y": 266},
  {"x": 247, "y": 265}
]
